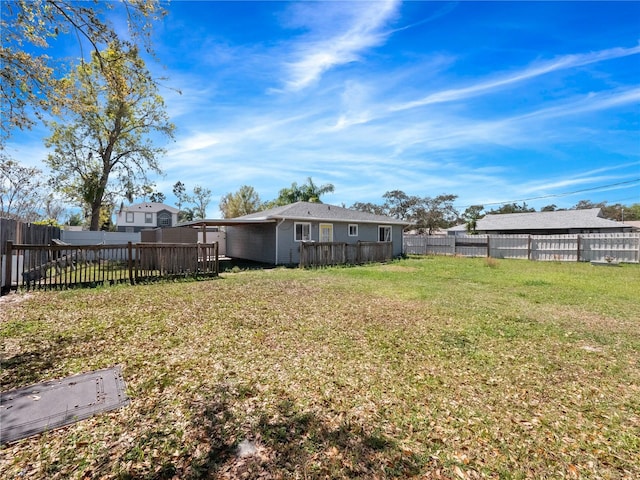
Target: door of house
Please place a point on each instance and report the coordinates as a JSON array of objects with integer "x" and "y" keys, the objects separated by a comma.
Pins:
[{"x": 326, "y": 232}]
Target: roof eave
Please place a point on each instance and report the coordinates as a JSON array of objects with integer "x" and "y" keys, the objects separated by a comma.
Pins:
[{"x": 383, "y": 221}]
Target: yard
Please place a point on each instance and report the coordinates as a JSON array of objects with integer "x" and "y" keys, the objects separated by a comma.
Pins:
[{"x": 432, "y": 367}]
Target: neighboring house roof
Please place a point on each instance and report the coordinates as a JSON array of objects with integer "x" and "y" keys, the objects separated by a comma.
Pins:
[
  {"x": 458, "y": 228},
  {"x": 152, "y": 207},
  {"x": 559, "y": 220},
  {"x": 304, "y": 211},
  {"x": 634, "y": 224}
]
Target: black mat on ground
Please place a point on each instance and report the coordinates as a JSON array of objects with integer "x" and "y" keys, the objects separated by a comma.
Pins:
[{"x": 37, "y": 408}]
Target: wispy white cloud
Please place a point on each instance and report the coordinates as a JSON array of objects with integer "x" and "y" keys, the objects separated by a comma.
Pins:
[
  {"x": 360, "y": 27},
  {"x": 592, "y": 102},
  {"x": 540, "y": 68}
]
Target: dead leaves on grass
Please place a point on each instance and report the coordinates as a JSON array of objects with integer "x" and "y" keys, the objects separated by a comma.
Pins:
[{"x": 324, "y": 384}]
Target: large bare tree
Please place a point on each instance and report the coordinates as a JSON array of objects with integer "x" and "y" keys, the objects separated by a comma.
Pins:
[{"x": 20, "y": 190}]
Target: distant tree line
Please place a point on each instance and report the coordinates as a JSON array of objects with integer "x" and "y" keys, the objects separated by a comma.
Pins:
[
  {"x": 26, "y": 195},
  {"x": 429, "y": 214}
]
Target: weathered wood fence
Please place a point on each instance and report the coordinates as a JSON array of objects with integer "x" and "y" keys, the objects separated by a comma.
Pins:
[
  {"x": 64, "y": 266},
  {"x": 320, "y": 254},
  {"x": 25, "y": 233},
  {"x": 592, "y": 247}
]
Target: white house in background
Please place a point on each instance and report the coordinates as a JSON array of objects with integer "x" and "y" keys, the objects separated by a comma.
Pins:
[{"x": 141, "y": 216}]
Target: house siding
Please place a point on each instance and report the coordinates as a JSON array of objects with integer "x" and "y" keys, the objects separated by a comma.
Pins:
[
  {"x": 269, "y": 236},
  {"x": 289, "y": 249},
  {"x": 139, "y": 212},
  {"x": 252, "y": 242}
]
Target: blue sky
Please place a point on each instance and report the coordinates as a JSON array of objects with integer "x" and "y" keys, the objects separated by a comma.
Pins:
[{"x": 493, "y": 102}]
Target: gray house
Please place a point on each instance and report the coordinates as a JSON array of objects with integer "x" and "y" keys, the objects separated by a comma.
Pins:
[
  {"x": 547, "y": 223},
  {"x": 273, "y": 236},
  {"x": 140, "y": 216}
]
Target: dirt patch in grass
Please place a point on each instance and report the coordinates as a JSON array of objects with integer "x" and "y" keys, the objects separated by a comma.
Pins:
[{"x": 12, "y": 299}]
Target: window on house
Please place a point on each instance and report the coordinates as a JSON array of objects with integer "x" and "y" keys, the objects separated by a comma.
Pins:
[
  {"x": 164, "y": 220},
  {"x": 353, "y": 230},
  {"x": 384, "y": 233},
  {"x": 326, "y": 232},
  {"x": 148, "y": 217},
  {"x": 129, "y": 217},
  {"x": 302, "y": 232}
]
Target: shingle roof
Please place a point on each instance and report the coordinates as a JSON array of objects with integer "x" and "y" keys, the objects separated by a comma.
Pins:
[
  {"x": 563, "y": 219},
  {"x": 320, "y": 212},
  {"x": 149, "y": 207}
]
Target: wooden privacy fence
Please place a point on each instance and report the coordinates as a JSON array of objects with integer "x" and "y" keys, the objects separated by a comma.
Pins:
[
  {"x": 592, "y": 247},
  {"x": 25, "y": 233},
  {"x": 64, "y": 266},
  {"x": 319, "y": 254}
]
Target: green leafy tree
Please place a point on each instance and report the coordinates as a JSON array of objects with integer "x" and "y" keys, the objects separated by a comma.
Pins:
[
  {"x": 435, "y": 213},
  {"x": 632, "y": 212},
  {"x": 307, "y": 192},
  {"x": 369, "y": 207},
  {"x": 471, "y": 216},
  {"x": 157, "y": 197},
  {"x": 31, "y": 83},
  {"x": 101, "y": 149},
  {"x": 400, "y": 205},
  {"x": 512, "y": 208},
  {"x": 187, "y": 215},
  {"x": 310, "y": 192},
  {"x": 75, "y": 220},
  {"x": 243, "y": 202},
  {"x": 587, "y": 204}
]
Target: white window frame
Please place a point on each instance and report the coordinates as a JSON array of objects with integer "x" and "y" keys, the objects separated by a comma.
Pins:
[
  {"x": 330, "y": 227},
  {"x": 164, "y": 220},
  {"x": 295, "y": 231},
  {"x": 148, "y": 217},
  {"x": 385, "y": 228},
  {"x": 130, "y": 217},
  {"x": 355, "y": 227}
]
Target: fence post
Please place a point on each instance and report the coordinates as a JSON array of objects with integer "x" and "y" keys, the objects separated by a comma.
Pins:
[
  {"x": 216, "y": 252},
  {"x": 488, "y": 245},
  {"x": 130, "y": 261},
  {"x": 529, "y": 248},
  {"x": 578, "y": 248},
  {"x": 8, "y": 268}
]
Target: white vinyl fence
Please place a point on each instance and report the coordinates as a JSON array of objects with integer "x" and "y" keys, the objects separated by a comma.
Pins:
[
  {"x": 85, "y": 237},
  {"x": 598, "y": 247}
]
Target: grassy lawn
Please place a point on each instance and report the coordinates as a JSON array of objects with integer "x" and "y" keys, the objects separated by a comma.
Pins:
[{"x": 435, "y": 367}]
